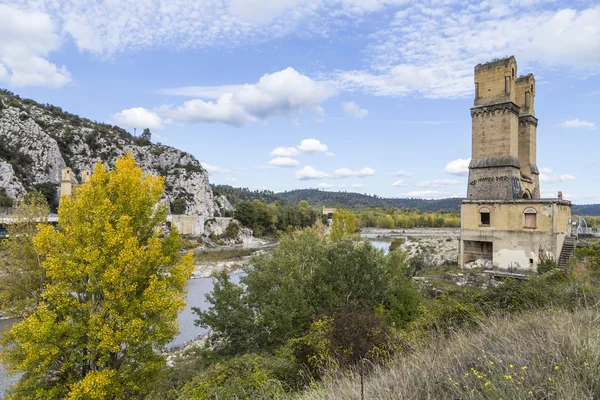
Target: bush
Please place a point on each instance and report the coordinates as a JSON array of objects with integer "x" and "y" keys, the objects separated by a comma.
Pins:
[
  {"x": 5, "y": 199},
  {"x": 546, "y": 266},
  {"x": 305, "y": 276},
  {"x": 232, "y": 230},
  {"x": 179, "y": 206}
]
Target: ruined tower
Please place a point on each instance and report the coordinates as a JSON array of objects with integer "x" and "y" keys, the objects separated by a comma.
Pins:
[
  {"x": 503, "y": 134},
  {"x": 504, "y": 223},
  {"x": 66, "y": 185}
]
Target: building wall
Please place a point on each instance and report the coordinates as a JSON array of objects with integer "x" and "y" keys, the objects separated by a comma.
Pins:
[
  {"x": 187, "y": 224},
  {"x": 495, "y": 132},
  {"x": 513, "y": 249},
  {"x": 551, "y": 217}
]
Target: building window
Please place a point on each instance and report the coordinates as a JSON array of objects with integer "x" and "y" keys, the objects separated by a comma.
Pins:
[
  {"x": 476, "y": 90},
  {"x": 530, "y": 218},
  {"x": 484, "y": 217},
  {"x": 527, "y": 99},
  {"x": 507, "y": 84}
]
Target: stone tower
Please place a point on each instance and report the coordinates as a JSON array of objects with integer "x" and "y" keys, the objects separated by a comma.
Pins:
[
  {"x": 66, "y": 185},
  {"x": 503, "y": 161}
]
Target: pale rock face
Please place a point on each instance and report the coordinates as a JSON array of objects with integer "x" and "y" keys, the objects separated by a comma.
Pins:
[
  {"x": 40, "y": 155},
  {"x": 222, "y": 204},
  {"x": 9, "y": 182},
  {"x": 41, "y": 141}
]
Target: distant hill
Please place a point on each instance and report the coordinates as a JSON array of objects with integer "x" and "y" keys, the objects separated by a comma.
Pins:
[{"x": 318, "y": 198}]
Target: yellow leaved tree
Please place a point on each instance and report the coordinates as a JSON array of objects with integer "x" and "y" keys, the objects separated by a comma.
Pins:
[
  {"x": 114, "y": 285},
  {"x": 344, "y": 224}
]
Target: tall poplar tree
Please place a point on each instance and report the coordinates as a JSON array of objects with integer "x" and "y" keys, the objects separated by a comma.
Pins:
[{"x": 114, "y": 285}]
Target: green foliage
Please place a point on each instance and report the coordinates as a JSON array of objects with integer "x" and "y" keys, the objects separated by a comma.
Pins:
[
  {"x": 247, "y": 377},
  {"x": 344, "y": 224},
  {"x": 5, "y": 199},
  {"x": 146, "y": 135},
  {"x": 113, "y": 286},
  {"x": 545, "y": 266},
  {"x": 266, "y": 219},
  {"x": 397, "y": 244},
  {"x": 21, "y": 274},
  {"x": 236, "y": 195},
  {"x": 391, "y": 217},
  {"x": 589, "y": 258},
  {"x": 179, "y": 206},
  {"x": 50, "y": 193},
  {"x": 232, "y": 230},
  {"x": 306, "y": 276}
]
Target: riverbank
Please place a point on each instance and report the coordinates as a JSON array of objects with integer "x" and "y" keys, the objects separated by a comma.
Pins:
[
  {"x": 433, "y": 246},
  {"x": 233, "y": 259}
]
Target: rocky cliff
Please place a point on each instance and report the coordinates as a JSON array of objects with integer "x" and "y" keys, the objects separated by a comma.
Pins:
[{"x": 37, "y": 141}]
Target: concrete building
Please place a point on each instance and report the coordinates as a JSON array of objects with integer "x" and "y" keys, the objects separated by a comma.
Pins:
[{"x": 503, "y": 219}]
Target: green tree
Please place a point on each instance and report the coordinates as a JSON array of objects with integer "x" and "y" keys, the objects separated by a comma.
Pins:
[
  {"x": 307, "y": 276},
  {"x": 146, "y": 135},
  {"x": 21, "y": 274},
  {"x": 344, "y": 224},
  {"x": 114, "y": 287},
  {"x": 179, "y": 206},
  {"x": 5, "y": 199}
]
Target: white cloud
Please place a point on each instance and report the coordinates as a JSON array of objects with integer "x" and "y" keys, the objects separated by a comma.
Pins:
[
  {"x": 402, "y": 174},
  {"x": 347, "y": 172},
  {"x": 330, "y": 154},
  {"x": 229, "y": 179},
  {"x": 458, "y": 167},
  {"x": 551, "y": 178},
  {"x": 26, "y": 40},
  {"x": 309, "y": 172},
  {"x": 430, "y": 47},
  {"x": 213, "y": 169},
  {"x": 357, "y": 185},
  {"x": 283, "y": 93},
  {"x": 138, "y": 117},
  {"x": 578, "y": 123},
  {"x": 324, "y": 185},
  {"x": 399, "y": 182},
  {"x": 353, "y": 109},
  {"x": 430, "y": 194},
  {"x": 438, "y": 183},
  {"x": 285, "y": 152},
  {"x": 312, "y": 146},
  {"x": 286, "y": 162}
]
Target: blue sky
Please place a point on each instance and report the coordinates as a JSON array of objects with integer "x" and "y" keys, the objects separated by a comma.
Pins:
[{"x": 371, "y": 96}]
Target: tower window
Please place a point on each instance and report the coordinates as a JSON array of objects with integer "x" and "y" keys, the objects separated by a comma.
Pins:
[
  {"x": 507, "y": 84},
  {"x": 484, "y": 216},
  {"x": 476, "y": 90},
  {"x": 530, "y": 218},
  {"x": 513, "y": 73},
  {"x": 527, "y": 99}
]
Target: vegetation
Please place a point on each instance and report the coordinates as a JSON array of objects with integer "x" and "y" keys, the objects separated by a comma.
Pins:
[
  {"x": 112, "y": 290},
  {"x": 344, "y": 224},
  {"x": 221, "y": 255},
  {"x": 21, "y": 274},
  {"x": 266, "y": 219},
  {"x": 402, "y": 218},
  {"x": 179, "y": 206},
  {"x": 236, "y": 195},
  {"x": 5, "y": 200}
]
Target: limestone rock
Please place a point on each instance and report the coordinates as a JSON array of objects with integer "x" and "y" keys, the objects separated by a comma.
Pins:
[
  {"x": 37, "y": 141},
  {"x": 9, "y": 182}
]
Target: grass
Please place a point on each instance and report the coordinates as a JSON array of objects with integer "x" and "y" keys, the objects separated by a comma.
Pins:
[
  {"x": 552, "y": 354},
  {"x": 223, "y": 255}
]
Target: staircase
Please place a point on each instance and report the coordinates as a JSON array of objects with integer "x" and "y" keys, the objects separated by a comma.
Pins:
[{"x": 566, "y": 251}]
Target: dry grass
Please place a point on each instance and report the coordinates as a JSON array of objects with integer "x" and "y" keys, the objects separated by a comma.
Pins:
[
  {"x": 223, "y": 255},
  {"x": 552, "y": 354}
]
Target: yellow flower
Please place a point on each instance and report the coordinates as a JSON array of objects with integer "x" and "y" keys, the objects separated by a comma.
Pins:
[
  {"x": 524, "y": 367},
  {"x": 508, "y": 377},
  {"x": 511, "y": 365},
  {"x": 555, "y": 367},
  {"x": 491, "y": 363},
  {"x": 486, "y": 383}
]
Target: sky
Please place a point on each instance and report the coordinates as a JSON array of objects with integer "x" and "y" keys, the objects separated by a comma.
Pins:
[{"x": 368, "y": 96}]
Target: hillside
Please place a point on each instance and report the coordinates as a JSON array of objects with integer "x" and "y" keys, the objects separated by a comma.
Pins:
[{"x": 37, "y": 141}]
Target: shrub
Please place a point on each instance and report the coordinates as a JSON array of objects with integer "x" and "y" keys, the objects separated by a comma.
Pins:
[
  {"x": 546, "y": 266},
  {"x": 179, "y": 206},
  {"x": 397, "y": 243},
  {"x": 5, "y": 199},
  {"x": 232, "y": 230}
]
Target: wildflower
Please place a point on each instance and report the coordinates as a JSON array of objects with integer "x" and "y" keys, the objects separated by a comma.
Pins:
[
  {"x": 550, "y": 379},
  {"x": 508, "y": 377},
  {"x": 511, "y": 365},
  {"x": 555, "y": 367},
  {"x": 500, "y": 361},
  {"x": 524, "y": 367},
  {"x": 486, "y": 383},
  {"x": 491, "y": 363}
]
